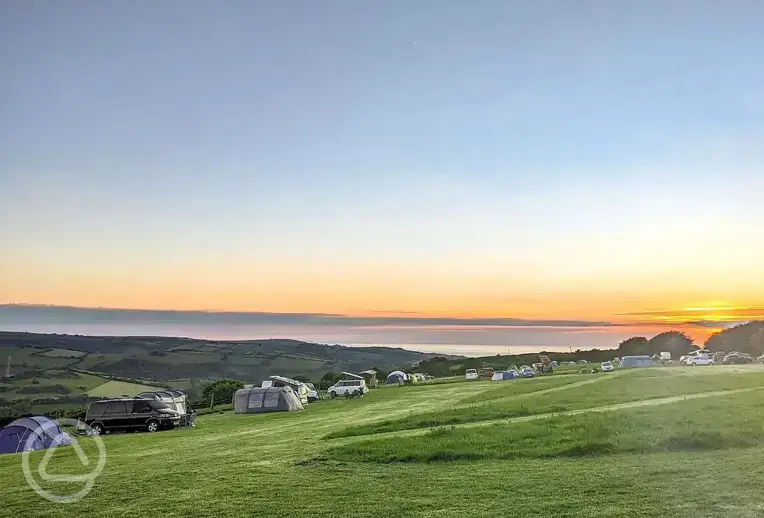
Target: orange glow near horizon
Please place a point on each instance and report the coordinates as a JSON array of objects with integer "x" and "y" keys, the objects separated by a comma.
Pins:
[{"x": 381, "y": 291}]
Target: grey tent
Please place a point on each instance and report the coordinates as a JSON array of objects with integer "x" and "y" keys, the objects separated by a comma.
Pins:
[
  {"x": 636, "y": 361},
  {"x": 256, "y": 400},
  {"x": 397, "y": 378}
]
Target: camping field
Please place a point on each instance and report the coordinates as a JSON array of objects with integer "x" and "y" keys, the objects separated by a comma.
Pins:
[{"x": 666, "y": 441}]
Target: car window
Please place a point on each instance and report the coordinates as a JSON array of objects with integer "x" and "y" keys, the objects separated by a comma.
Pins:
[
  {"x": 97, "y": 408},
  {"x": 141, "y": 407},
  {"x": 115, "y": 407},
  {"x": 158, "y": 405}
]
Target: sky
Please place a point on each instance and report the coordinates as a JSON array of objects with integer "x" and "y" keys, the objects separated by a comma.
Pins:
[{"x": 599, "y": 162}]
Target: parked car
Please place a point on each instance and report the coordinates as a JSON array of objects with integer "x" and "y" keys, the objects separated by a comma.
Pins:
[
  {"x": 348, "y": 387},
  {"x": 685, "y": 359},
  {"x": 607, "y": 367},
  {"x": 471, "y": 374},
  {"x": 700, "y": 359},
  {"x": 582, "y": 362},
  {"x": 527, "y": 372},
  {"x": 737, "y": 359},
  {"x": 134, "y": 414}
]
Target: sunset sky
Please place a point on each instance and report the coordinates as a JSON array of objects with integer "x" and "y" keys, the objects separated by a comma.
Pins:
[{"x": 599, "y": 162}]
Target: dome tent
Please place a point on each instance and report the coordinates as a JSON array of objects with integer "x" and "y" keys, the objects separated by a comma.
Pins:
[
  {"x": 32, "y": 433},
  {"x": 397, "y": 378},
  {"x": 257, "y": 400},
  {"x": 503, "y": 375}
]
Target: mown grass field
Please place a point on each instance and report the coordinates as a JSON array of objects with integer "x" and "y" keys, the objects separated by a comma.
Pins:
[
  {"x": 78, "y": 385},
  {"x": 655, "y": 442},
  {"x": 119, "y": 389}
]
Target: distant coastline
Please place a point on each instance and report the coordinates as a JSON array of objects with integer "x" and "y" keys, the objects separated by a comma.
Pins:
[{"x": 445, "y": 335}]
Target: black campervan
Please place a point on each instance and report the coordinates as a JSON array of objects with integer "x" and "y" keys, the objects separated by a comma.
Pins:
[{"x": 134, "y": 414}]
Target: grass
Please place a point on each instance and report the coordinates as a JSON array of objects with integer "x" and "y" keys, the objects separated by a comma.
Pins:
[
  {"x": 119, "y": 389},
  {"x": 280, "y": 465},
  {"x": 613, "y": 389},
  {"x": 733, "y": 421},
  {"x": 78, "y": 385},
  {"x": 31, "y": 357},
  {"x": 521, "y": 386}
]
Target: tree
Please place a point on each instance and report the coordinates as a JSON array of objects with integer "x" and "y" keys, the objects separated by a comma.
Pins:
[
  {"x": 756, "y": 342},
  {"x": 675, "y": 342},
  {"x": 329, "y": 379},
  {"x": 633, "y": 345},
  {"x": 715, "y": 342},
  {"x": 743, "y": 338},
  {"x": 221, "y": 391}
]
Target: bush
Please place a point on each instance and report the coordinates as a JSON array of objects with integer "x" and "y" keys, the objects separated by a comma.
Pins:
[{"x": 221, "y": 391}]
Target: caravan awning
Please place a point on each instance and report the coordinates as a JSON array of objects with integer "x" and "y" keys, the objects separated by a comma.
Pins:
[{"x": 351, "y": 375}]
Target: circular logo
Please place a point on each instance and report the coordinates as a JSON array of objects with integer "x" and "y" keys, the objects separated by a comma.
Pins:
[{"x": 52, "y": 431}]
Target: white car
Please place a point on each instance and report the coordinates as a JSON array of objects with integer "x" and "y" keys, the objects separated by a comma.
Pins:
[
  {"x": 471, "y": 374},
  {"x": 685, "y": 359},
  {"x": 700, "y": 360},
  {"x": 348, "y": 387},
  {"x": 607, "y": 367}
]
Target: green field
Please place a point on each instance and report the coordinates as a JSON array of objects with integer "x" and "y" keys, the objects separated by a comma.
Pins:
[
  {"x": 119, "y": 389},
  {"x": 77, "y": 383},
  {"x": 655, "y": 442}
]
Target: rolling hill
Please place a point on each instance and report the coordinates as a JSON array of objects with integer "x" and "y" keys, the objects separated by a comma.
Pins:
[{"x": 169, "y": 358}]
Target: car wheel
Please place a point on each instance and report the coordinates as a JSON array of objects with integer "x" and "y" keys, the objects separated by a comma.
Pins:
[
  {"x": 152, "y": 426},
  {"x": 96, "y": 429},
  {"x": 333, "y": 394}
]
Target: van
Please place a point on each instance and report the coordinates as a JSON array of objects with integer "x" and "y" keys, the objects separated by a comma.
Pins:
[
  {"x": 300, "y": 389},
  {"x": 348, "y": 387},
  {"x": 134, "y": 414},
  {"x": 471, "y": 374}
]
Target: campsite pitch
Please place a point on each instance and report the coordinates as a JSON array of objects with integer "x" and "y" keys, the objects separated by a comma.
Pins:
[{"x": 575, "y": 452}]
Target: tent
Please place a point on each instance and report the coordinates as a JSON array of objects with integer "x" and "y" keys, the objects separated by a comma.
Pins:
[
  {"x": 299, "y": 388},
  {"x": 175, "y": 399},
  {"x": 257, "y": 400},
  {"x": 32, "y": 433},
  {"x": 637, "y": 361},
  {"x": 503, "y": 375},
  {"x": 397, "y": 378}
]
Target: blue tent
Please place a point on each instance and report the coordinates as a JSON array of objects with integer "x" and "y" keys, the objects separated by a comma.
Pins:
[
  {"x": 503, "y": 375},
  {"x": 32, "y": 433},
  {"x": 636, "y": 361}
]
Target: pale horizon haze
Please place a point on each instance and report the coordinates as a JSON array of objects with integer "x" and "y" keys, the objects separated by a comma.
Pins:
[{"x": 578, "y": 172}]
